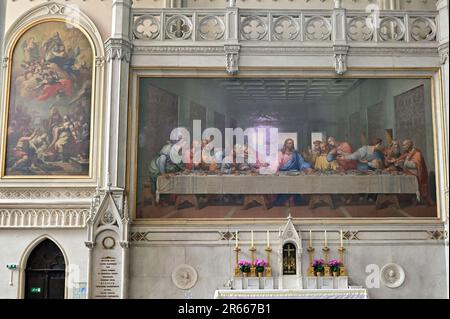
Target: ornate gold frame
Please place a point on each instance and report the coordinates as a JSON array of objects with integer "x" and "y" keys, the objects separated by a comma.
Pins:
[
  {"x": 5, "y": 118},
  {"x": 136, "y": 73}
]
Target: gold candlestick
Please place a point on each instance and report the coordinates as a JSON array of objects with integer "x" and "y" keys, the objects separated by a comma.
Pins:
[
  {"x": 237, "y": 272},
  {"x": 268, "y": 268},
  {"x": 311, "y": 258},
  {"x": 252, "y": 267},
  {"x": 342, "y": 271},
  {"x": 326, "y": 251}
]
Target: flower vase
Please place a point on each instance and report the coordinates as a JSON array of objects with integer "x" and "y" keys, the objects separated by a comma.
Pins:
[
  {"x": 319, "y": 273},
  {"x": 260, "y": 274},
  {"x": 335, "y": 273},
  {"x": 244, "y": 274}
]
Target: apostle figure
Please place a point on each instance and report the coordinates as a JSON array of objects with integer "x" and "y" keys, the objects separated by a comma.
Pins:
[
  {"x": 322, "y": 163},
  {"x": 162, "y": 164},
  {"x": 313, "y": 153},
  {"x": 340, "y": 148},
  {"x": 414, "y": 164},
  {"x": 290, "y": 159},
  {"x": 369, "y": 157},
  {"x": 207, "y": 158},
  {"x": 247, "y": 164},
  {"x": 228, "y": 164},
  {"x": 391, "y": 154}
]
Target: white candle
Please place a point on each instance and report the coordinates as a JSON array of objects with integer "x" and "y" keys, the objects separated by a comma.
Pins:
[
  {"x": 325, "y": 238},
  {"x": 268, "y": 241},
  {"x": 310, "y": 238},
  {"x": 342, "y": 244},
  {"x": 236, "y": 239},
  {"x": 252, "y": 238}
]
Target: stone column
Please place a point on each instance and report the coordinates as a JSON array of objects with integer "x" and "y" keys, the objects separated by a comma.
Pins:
[
  {"x": 90, "y": 246},
  {"x": 443, "y": 37},
  {"x": 125, "y": 246},
  {"x": 339, "y": 37},
  {"x": 389, "y": 4},
  {"x": 118, "y": 53},
  {"x": 232, "y": 46}
]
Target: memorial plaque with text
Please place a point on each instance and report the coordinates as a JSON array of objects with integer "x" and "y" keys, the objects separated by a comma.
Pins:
[
  {"x": 108, "y": 285},
  {"x": 107, "y": 270}
]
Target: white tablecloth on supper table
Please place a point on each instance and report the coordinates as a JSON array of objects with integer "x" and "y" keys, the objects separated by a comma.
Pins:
[{"x": 282, "y": 184}]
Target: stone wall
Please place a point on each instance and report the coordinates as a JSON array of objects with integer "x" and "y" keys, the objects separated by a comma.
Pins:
[
  {"x": 153, "y": 260},
  {"x": 98, "y": 11}
]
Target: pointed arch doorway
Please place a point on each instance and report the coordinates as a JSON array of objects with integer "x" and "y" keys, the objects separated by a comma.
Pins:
[{"x": 45, "y": 272}]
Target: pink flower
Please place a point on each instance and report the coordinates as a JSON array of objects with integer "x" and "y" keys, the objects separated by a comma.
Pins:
[
  {"x": 260, "y": 263},
  {"x": 318, "y": 262},
  {"x": 318, "y": 265},
  {"x": 334, "y": 263},
  {"x": 244, "y": 265}
]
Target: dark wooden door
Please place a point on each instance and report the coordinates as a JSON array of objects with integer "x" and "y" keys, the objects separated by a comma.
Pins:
[{"x": 45, "y": 272}]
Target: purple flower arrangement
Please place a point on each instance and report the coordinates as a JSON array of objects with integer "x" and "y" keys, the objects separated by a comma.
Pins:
[
  {"x": 244, "y": 265},
  {"x": 318, "y": 265},
  {"x": 334, "y": 265},
  {"x": 260, "y": 264}
]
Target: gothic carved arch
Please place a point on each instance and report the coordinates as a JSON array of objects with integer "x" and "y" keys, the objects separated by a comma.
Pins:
[{"x": 108, "y": 212}]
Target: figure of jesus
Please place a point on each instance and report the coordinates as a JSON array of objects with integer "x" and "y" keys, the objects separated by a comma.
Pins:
[{"x": 291, "y": 160}]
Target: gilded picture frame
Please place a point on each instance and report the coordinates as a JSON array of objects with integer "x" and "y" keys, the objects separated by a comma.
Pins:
[
  {"x": 433, "y": 75},
  {"x": 58, "y": 72}
]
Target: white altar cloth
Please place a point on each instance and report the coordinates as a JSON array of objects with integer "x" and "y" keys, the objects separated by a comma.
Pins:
[{"x": 292, "y": 294}]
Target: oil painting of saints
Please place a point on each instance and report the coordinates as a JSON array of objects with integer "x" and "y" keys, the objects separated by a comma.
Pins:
[{"x": 49, "y": 103}]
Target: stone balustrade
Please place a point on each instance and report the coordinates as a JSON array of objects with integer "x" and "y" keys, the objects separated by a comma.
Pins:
[{"x": 246, "y": 26}]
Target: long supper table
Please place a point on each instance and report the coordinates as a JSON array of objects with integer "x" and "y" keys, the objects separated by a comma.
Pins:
[{"x": 195, "y": 184}]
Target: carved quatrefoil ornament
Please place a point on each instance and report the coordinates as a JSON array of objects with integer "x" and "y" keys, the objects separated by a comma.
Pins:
[
  {"x": 184, "y": 277},
  {"x": 392, "y": 275}
]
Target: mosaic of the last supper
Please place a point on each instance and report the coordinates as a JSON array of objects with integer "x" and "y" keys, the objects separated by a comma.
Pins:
[{"x": 220, "y": 148}]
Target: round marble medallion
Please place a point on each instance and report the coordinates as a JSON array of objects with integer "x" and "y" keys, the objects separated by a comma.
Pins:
[
  {"x": 392, "y": 275},
  {"x": 108, "y": 242},
  {"x": 184, "y": 276}
]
